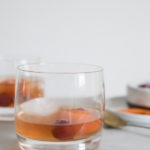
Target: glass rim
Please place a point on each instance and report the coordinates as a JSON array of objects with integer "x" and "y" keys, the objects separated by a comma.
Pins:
[{"x": 22, "y": 68}]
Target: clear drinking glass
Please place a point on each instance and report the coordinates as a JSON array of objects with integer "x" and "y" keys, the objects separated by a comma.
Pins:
[
  {"x": 7, "y": 79},
  {"x": 59, "y": 106}
]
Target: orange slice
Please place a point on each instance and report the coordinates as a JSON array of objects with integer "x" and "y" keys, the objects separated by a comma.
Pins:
[
  {"x": 79, "y": 123},
  {"x": 136, "y": 111}
]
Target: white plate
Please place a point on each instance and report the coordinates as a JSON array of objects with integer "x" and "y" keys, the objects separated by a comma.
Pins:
[
  {"x": 117, "y": 103},
  {"x": 6, "y": 114}
]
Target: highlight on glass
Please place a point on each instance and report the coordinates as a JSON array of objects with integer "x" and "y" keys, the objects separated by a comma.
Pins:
[{"x": 59, "y": 106}]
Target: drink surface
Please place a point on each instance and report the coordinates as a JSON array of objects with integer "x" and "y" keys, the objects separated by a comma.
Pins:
[{"x": 46, "y": 120}]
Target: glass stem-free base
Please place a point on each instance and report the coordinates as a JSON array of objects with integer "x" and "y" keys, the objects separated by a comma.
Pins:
[{"x": 85, "y": 144}]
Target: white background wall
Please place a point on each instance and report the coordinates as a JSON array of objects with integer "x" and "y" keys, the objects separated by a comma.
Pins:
[{"x": 112, "y": 33}]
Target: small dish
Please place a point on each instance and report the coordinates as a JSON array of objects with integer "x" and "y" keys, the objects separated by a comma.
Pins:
[
  {"x": 138, "y": 94},
  {"x": 117, "y": 103}
]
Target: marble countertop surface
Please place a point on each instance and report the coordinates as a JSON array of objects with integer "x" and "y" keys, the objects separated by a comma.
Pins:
[{"x": 128, "y": 138}]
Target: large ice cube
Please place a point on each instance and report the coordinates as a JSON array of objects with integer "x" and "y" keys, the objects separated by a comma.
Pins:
[{"x": 40, "y": 106}]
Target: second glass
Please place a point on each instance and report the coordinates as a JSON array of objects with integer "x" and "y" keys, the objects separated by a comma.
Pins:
[
  {"x": 7, "y": 79},
  {"x": 59, "y": 106}
]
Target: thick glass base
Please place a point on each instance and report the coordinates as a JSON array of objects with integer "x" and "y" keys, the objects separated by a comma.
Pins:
[{"x": 85, "y": 144}]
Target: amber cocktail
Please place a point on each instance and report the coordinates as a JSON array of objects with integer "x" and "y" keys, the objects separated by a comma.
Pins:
[
  {"x": 7, "y": 90},
  {"x": 66, "y": 111},
  {"x": 7, "y": 81},
  {"x": 64, "y": 124}
]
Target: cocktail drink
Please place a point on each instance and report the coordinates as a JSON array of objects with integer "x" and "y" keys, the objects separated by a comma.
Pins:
[
  {"x": 7, "y": 91},
  {"x": 66, "y": 111},
  {"x": 7, "y": 80},
  {"x": 62, "y": 124}
]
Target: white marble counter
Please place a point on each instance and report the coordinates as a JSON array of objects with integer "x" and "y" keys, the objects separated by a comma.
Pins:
[{"x": 128, "y": 138}]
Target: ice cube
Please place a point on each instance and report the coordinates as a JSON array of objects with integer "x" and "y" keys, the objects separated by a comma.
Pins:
[{"x": 40, "y": 107}]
